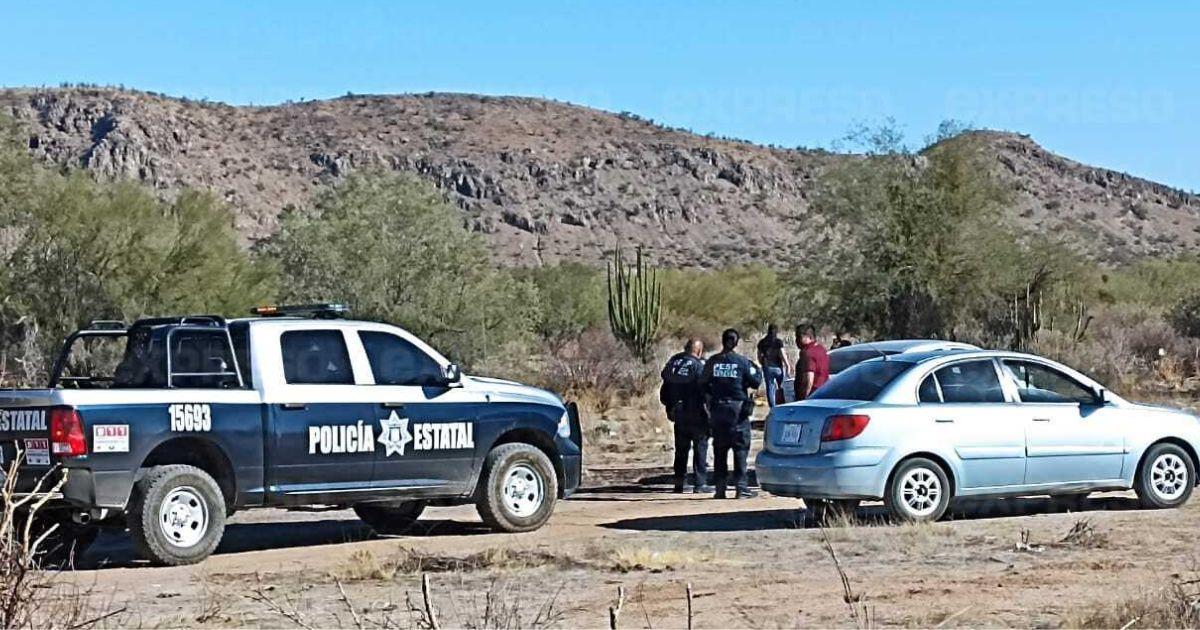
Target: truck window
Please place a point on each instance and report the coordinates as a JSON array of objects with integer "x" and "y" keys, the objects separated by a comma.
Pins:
[
  {"x": 239, "y": 332},
  {"x": 315, "y": 357},
  {"x": 396, "y": 361},
  {"x": 202, "y": 359}
]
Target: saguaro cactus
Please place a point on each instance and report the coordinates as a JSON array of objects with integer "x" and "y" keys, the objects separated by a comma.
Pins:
[{"x": 634, "y": 303}]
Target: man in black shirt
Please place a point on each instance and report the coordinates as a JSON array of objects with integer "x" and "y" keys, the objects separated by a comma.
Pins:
[
  {"x": 683, "y": 399},
  {"x": 727, "y": 377},
  {"x": 774, "y": 362}
]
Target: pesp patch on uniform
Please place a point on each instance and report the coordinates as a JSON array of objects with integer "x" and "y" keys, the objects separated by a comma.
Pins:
[
  {"x": 110, "y": 438},
  {"x": 726, "y": 370}
]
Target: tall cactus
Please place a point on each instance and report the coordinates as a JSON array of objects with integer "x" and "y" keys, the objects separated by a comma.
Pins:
[{"x": 634, "y": 303}]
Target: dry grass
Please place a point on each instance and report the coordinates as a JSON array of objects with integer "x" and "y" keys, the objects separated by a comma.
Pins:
[
  {"x": 631, "y": 559},
  {"x": 364, "y": 566},
  {"x": 1175, "y": 606}
]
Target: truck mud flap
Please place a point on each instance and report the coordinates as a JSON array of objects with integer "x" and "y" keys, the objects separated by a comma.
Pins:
[{"x": 573, "y": 470}]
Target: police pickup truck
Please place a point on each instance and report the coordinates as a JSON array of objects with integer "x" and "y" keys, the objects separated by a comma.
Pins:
[{"x": 296, "y": 407}]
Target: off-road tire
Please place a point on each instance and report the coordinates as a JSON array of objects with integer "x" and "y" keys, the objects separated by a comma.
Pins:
[
  {"x": 146, "y": 504},
  {"x": 390, "y": 519},
  {"x": 1149, "y": 482},
  {"x": 530, "y": 467},
  {"x": 907, "y": 480}
]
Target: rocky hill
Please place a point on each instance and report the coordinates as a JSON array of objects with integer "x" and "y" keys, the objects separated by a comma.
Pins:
[{"x": 547, "y": 181}]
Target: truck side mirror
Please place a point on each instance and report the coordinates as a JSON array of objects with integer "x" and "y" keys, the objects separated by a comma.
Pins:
[{"x": 452, "y": 373}]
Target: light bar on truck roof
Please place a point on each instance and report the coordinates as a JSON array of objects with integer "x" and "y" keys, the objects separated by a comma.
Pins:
[{"x": 318, "y": 311}]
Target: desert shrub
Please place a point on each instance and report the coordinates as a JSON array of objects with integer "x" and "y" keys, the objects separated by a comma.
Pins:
[
  {"x": 74, "y": 250},
  {"x": 701, "y": 303},
  {"x": 1185, "y": 315},
  {"x": 571, "y": 299},
  {"x": 597, "y": 368},
  {"x": 926, "y": 254},
  {"x": 1162, "y": 283},
  {"x": 393, "y": 248}
]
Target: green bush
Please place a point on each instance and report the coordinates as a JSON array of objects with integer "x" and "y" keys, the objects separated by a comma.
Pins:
[
  {"x": 700, "y": 303},
  {"x": 393, "y": 248},
  {"x": 74, "y": 250},
  {"x": 571, "y": 299},
  {"x": 1185, "y": 316}
]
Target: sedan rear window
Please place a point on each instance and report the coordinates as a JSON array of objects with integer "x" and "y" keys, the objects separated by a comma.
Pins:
[{"x": 862, "y": 382}]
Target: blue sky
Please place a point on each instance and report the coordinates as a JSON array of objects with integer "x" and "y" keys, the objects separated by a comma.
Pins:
[{"x": 1111, "y": 84}]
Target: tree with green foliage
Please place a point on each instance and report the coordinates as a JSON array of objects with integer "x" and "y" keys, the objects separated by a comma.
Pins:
[
  {"x": 927, "y": 252},
  {"x": 395, "y": 250},
  {"x": 571, "y": 299},
  {"x": 75, "y": 249}
]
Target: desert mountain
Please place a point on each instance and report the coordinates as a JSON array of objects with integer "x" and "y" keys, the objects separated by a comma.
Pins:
[{"x": 546, "y": 181}]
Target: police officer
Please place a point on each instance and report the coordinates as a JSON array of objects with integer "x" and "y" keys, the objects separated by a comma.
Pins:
[
  {"x": 683, "y": 399},
  {"x": 727, "y": 377}
]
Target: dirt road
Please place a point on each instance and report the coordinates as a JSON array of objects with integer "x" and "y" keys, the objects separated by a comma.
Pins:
[{"x": 752, "y": 563}]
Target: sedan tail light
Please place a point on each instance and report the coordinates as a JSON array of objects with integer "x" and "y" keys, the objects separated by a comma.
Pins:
[
  {"x": 66, "y": 432},
  {"x": 844, "y": 427}
]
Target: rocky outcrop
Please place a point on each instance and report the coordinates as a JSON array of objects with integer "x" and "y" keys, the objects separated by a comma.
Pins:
[{"x": 546, "y": 181}]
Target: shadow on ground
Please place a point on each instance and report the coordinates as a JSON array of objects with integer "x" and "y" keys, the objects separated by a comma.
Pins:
[
  {"x": 762, "y": 520},
  {"x": 115, "y": 549}
]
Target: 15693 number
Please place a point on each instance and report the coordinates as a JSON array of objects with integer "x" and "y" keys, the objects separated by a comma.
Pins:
[{"x": 190, "y": 417}]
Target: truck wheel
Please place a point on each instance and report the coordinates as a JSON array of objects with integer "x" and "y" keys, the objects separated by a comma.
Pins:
[
  {"x": 390, "y": 519},
  {"x": 177, "y": 515},
  {"x": 1165, "y": 478},
  {"x": 518, "y": 488}
]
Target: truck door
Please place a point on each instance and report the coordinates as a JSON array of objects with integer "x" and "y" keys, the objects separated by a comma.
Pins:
[
  {"x": 427, "y": 426},
  {"x": 322, "y": 432}
]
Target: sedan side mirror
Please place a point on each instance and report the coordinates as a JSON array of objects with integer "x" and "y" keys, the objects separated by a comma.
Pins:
[
  {"x": 452, "y": 373},
  {"x": 1102, "y": 397}
]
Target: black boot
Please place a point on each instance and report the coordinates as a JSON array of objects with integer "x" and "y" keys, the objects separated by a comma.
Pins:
[{"x": 720, "y": 493}]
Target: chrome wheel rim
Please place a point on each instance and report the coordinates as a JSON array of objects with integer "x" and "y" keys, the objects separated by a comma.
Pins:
[
  {"x": 183, "y": 517},
  {"x": 523, "y": 491},
  {"x": 1168, "y": 476},
  {"x": 920, "y": 491}
]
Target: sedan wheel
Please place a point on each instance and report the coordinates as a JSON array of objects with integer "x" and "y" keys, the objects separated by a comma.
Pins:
[
  {"x": 918, "y": 491},
  {"x": 1166, "y": 477}
]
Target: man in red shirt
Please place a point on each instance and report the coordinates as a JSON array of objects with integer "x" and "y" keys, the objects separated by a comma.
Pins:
[{"x": 812, "y": 370}]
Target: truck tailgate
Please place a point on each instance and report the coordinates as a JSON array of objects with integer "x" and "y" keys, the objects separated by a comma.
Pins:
[{"x": 25, "y": 428}]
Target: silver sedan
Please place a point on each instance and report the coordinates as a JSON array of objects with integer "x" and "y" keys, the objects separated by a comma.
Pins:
[{"x": 919, "y": 429}]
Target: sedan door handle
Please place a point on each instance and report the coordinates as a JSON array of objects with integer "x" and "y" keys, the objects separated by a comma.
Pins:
[
  {"x": 1041, "y": 419},
  {"x": 944, "y": 420},
  {"x": 393, "y": 405},
  {"x": 294, "y": 406}
]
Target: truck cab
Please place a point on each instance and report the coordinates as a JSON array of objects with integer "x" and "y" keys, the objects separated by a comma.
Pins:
[{"x": 295, "y": 407}]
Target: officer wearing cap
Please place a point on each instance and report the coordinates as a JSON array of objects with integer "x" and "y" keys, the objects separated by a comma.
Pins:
[
  {"x": 683, "y": 399},
  {"x": 728, "y": 380}
]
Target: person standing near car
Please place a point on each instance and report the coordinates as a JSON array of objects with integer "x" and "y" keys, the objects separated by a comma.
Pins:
[
  {"x": 683, "y": 399},
  {"x": 812, "y": 366},
  {"x": 774, "y": 361},
  {"x": 728, "y": 381}
]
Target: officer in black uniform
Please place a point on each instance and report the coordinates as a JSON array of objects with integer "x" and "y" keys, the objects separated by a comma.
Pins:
[
  {"x": 683, "y": 399},
  {"x": 727, "y": 378}
]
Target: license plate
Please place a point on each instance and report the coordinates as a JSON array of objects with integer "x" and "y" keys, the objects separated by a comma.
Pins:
[{"x": 792, "y": 433}]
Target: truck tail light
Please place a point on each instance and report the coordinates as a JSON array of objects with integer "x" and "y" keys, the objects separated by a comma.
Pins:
[
  {"x": 66, "y": 432},
  {"x": 844, "y": 427}
]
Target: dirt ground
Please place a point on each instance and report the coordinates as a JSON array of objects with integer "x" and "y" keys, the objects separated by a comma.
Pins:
[{"x": 751, "y": 563}]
